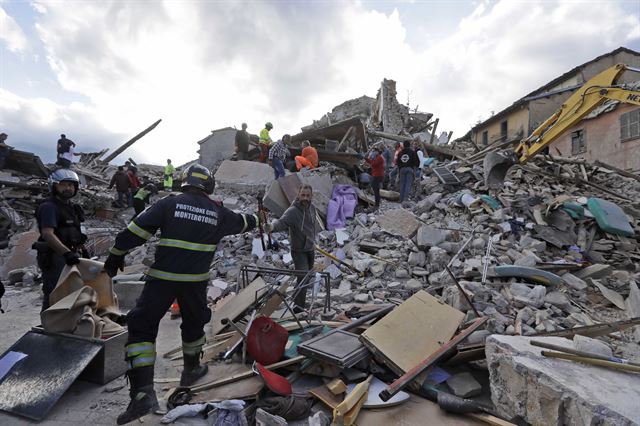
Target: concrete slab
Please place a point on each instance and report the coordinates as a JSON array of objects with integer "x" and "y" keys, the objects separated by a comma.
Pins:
[
  {"x": 547, "y": 391},
  {"x": 275, "y": 199},
  {"x": 322, "y": 190},
  {"x": 244, "y": 176},
  {"x": 399, "y": 222}
]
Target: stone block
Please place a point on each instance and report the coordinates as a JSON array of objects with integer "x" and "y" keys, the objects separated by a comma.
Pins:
[
  {"x": 545, "y": 391},
  {"x": 417, "y": 258},
  {"x": 399, "y": 222},
  {"x": 275, "y": 199},
  {"x": 594, "y": 346},
  {"x": 574, "y": 282},
  {"x": 128, "y": 293},
  {"x": 464, "y": 385},
  {"x": 248, "y": 176},
  {"x": 429, "y": 236},
  {"x": 413, "y": 285},
  {"x": 596, "y": 271}
]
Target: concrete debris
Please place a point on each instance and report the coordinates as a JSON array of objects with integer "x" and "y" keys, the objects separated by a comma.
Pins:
[
  {"x": 531, "y": 259},
  {"x": 547, "y": 391}
]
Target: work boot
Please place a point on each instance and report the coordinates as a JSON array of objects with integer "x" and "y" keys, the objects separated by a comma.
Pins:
[
  {"x": 143, "y": 397},
  {"x": 192, "y": 369}
]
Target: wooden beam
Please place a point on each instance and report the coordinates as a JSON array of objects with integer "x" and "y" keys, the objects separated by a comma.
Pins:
[
  {"x": 617, "y": 170},
  {"x": 344, "y": 138},
  {"x": 130, "y": 142},
  {"x": 433, "y": 132}
]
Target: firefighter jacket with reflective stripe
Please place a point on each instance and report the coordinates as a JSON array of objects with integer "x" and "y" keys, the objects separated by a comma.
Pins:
[{"x": 191, "y": 225}]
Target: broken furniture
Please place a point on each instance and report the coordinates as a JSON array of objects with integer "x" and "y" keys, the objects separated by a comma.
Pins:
[
  {"x": 53, "y": 362},
  {"x": 338, "y": 347}
]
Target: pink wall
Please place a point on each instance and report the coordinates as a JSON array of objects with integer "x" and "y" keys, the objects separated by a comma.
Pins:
[{"x": 603, "y": 141}]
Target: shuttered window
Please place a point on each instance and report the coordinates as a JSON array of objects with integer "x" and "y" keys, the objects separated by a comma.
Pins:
[{"x": 630, "y": 125}]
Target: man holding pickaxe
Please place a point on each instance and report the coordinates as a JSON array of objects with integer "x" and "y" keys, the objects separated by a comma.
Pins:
[{"x": 300, "y": 220}]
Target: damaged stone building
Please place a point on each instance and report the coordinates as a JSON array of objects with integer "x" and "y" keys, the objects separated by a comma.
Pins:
[{"x": 607, "y": 136}]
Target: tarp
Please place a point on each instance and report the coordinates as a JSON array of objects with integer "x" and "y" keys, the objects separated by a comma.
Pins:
[{"x": 342, "y": 206}]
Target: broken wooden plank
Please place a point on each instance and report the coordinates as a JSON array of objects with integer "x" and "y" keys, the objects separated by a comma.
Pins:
[
  {"x": 435, "y": 356},
  {"x": 130, "y": 142},
  {"x": 417, "y": 327}
]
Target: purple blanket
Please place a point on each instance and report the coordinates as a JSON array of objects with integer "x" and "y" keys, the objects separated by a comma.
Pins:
[{"x": 341, "y": 206}]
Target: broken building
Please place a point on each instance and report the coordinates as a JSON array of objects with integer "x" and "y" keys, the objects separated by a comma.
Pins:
[{"x": 524, "y": 115}]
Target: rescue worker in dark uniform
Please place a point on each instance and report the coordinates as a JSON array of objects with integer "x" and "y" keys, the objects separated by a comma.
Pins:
[
  {"x": 141, "y": 198},
  {"x": 190, "y": 224},
  {"x": 61, "y": 237}
]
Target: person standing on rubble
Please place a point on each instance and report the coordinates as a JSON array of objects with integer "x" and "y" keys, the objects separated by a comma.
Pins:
[
  {"x": 278, "y": 155},
  {"x": 121, "y": 181},
  {"x": 191, "y": 225},
  {"x": 141, "y": 198},
  {"x": 134, "y": 183},
  {"x": 265, "y": 142},
  {"x": 61, "y": 237},
  {"x": 242, "y": 143},
  {"x": 65, "y": 149},
  {"x": 376, "y": 161},
  {"x": 307, "y": 158},
  {"x": 300, "y": 220},
  {"x": 168, "y": 176},
  {"x": 407, "y": 163},
  {"x": 4, "y": 150}
]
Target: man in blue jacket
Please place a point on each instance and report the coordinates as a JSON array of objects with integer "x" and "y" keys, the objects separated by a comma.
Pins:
[{"x": 190, "y": 224}]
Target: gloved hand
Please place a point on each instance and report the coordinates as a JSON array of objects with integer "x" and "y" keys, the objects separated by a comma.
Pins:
[
  {"x": 360, "y": 156},
  {"x": 268, "y": 227},
  {"x": 71, "y": 258},
  {"x": 113, "y": 263}
]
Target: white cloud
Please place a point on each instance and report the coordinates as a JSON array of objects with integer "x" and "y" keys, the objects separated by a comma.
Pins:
[
  {"x": 11, "y": 33},
  {"x": 205, "y": 65}
]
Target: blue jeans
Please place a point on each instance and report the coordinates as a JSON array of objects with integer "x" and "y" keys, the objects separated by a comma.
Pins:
[
  {"x": 406, "y": 180},
  {"x": 278, "y": 167}
]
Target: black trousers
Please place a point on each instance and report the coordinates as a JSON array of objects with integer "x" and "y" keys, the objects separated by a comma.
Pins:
[
  {"x": 51, "y": 265},
  {"x": 302, "y": 261},
  {"x": 156, "y": 299},
  {"x": 376, "y": 182},
  {"x": 138, "y": 207}
]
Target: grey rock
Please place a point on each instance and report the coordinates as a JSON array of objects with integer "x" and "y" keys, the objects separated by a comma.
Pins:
[
  {"x": 413, "y": 285},
  {"x": 402, "y": 273},
  {"x": 361, "y": 298},
  {"x": 377, "y": 269},
  {"x": 594, "y": 346},
  {"x": 394, "y": 285},
  {"x": 417, "y": 258},
  {"x": 28, "y": 279},
  {"x": 373, "y": 284},
  {"x": 15, "y": 276},
  {"x": 558, "y": 299},
  {"x": 596, "y": 271},
  {"x": 437, "y": 258},
  {"x": 464, "y": 385},
  {"x": 428, "y": 236},
  {"x": 574, "y": 282},
  {"x": 529, "y": 260}
]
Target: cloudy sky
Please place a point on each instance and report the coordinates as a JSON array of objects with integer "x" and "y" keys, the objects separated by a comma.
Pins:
[{"x": 101, "y": 71}]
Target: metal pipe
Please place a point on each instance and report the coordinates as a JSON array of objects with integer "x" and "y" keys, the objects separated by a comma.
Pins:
[
  {"x": 582, "y": 353},
  {"x": 464, "y": 293}
]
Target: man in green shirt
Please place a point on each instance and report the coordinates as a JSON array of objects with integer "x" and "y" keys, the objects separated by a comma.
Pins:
[{"x": 168, "y": 176}]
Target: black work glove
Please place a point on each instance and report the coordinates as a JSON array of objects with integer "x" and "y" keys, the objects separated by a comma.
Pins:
[
  {"x": 113, "y": 263},
  {"x": 71, "y": 258}
]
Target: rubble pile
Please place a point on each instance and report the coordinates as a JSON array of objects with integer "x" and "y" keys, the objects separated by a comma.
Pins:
[{"x": 443, "y": 299}]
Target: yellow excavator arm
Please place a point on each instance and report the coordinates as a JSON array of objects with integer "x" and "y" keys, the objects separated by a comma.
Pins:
[{"x": 589, "y": 96}]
